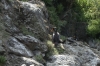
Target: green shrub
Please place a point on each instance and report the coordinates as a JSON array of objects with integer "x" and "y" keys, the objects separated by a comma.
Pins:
[
  {"x": 54, "y": 18},
  {"x": 51, "y": 49},
  {"x": 25, "y": 30},
  {"x": 94, "y": 27},
  {"x": 80, "y": 11},
  {"x": 63, "y": 37},
  {"x": 54, "y": 13},
  {"x": 2, "y": 59},
  {"x": 39, "y": 58},
  {"x": 48, "y": 2},
  {"x": 89, "y": 11},
  {"x": 60, "y": 8},
  {"x": 60, "y": 50}
]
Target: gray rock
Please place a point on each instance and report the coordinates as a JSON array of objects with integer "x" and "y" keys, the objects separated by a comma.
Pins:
[
  {"x": 32, "y": 43},
  {"x": 0, "y": 42},
  {"x": 2, "y": 50},
  {"x": 37, "y": 18},
  {"x": 87, "y": 56},
  {"x": 13, "y": 60},
  {"x": 79, "y": 55},
  {"x": 92, "y": 43},
  {"x": 32, "y": 17},
  {"x": 18, "y": 48},
  {"x": 64, "y": 60},
  {"x": 11, "y": 28},
  {"x": 31, "y": 61}
]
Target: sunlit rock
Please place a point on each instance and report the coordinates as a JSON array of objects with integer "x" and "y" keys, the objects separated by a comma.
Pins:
[
  {"x": 18, "y": 48},
  {"x": 75, "y": 55},
  {"x": 32, "y": 43},
  {"x": 64, "y": 60},
  {"x": 14, "y": 60},
  {"x": 31, "y": 62}
]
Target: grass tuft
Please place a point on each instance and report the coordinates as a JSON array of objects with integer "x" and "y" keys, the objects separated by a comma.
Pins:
[{"x": 2, "y": 60}]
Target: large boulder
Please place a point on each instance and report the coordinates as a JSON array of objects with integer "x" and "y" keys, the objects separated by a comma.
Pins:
[
  {"x": 17, "y": 48},
  {"x": 14, "y": 60},
  {"x": 35, "y": 18},
  {"x": 94, "y": 43},
  {"x": 32, "y": 43},
  {"x": 64, "y": 60},
  {"x": 85, "y": 54}
]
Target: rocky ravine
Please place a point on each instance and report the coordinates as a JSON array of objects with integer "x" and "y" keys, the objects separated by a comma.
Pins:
[{"x": 23, "y": 31}]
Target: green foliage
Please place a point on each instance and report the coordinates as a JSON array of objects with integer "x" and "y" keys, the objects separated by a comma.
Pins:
[
  {"x": 63, "y": 37},
  {"x": 54, "y": 13},
  {"x": 89, "y": 11},
  {"x": 51, "y": 49},
  {"x": 3, "y": 33},
  {"x": 25, "y": 30},
  {"x": 60, "y": 8},
  {"x": 94, "y": 27},
  {"x": 60, "y": 50},
  {"x": 81, "y": 11},
  {"x": 39, "y": 58},
  {"x": 2, "y": 59},
  {"x": 48, "y": 2},
  {"x": 54, "y": 19}
]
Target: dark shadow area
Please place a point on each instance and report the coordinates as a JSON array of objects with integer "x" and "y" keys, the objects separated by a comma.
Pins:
[
  {"x": 76, "y": 22},
  {"x": 98, "y": 64}
]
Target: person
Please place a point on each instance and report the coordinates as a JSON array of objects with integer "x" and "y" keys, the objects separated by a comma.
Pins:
[{"x": 56, "y": 37}]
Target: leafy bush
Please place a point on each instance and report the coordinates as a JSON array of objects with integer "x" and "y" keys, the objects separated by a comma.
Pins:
[
  {"x": 63, "y": 37},
  {"x": 54, "y": 18},
  {"x": 51, "y": 49},
  {"x": 54, "y": 13},
  {"x": 80, "y": 11},
  {"x": 60, "y": 50},
  {"x": 94, "y": 27},
  {"x": 39, "y": 58},
  {"x": 60, "y": 8},
  {"x": 93, "y": 15},
  {"x": 25, "y": 30},
  {"x": 89, "y": 11},
  {"x": 48, "y": 2}
]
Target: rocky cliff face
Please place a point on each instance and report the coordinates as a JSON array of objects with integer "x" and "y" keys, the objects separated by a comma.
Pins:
[
  {"x": 23, "y": 32},
  {"x": 23, "y": 27}
]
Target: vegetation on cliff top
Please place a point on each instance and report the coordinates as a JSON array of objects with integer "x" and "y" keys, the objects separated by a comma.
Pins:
[
  {"x": 91, "y": 13},
  {"x": 82, "y": 10}
]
